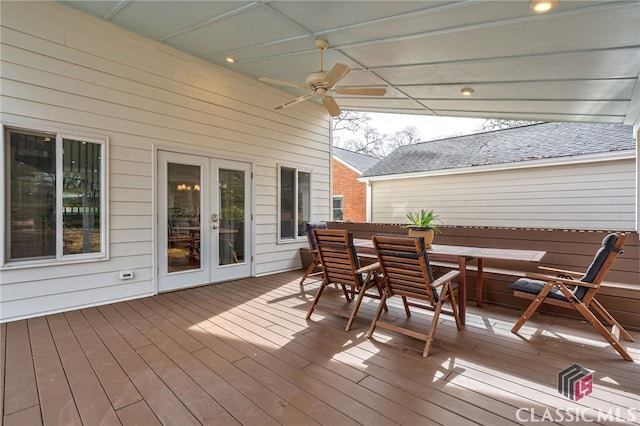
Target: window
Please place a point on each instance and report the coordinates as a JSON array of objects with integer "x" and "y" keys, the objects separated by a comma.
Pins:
[
  {"x": 338, "y": 207},
  {"x": 54, "y": 196},
  {"x": 295, "y": 202}
]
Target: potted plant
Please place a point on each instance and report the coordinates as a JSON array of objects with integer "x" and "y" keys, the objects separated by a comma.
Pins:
[{"x": 423, "y": 224}]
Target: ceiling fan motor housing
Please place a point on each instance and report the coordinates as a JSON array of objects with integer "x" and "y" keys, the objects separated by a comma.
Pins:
[{"x": 315, "y": 80}]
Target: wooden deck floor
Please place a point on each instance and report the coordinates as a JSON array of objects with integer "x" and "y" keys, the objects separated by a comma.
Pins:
[{"x": 242, "y": 353}]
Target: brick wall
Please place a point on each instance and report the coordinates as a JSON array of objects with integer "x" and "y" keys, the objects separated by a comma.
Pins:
[{"x": 354, "y": 193}]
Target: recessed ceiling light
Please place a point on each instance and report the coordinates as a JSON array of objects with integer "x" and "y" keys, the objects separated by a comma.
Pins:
[
  {"x": 542, "y": 6},
  {"x": 467, "y": 91},
  {"x": 230, "y": 59}
]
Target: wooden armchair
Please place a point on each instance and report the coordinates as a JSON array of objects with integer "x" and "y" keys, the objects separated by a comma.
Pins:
[
  {"x": 407, "y": 273},
  {"x": 315, "y": 263},
  {"x": 341, "y": 267},
  {"x": 576, "y": 290}
]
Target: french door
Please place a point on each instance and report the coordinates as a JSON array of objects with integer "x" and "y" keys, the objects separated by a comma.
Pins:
[{"x": 204, "y": 220}]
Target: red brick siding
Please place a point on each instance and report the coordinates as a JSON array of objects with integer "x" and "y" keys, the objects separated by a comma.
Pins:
[{"x": 354, "y": 193}]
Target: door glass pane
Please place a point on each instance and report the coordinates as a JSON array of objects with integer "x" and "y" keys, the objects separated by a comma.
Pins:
[
  {"x": 232, "y": 201},
  {"x": 183, "y": 217},
  {"x": 32, "y": 195},
  {"x": 304, "y": 201},
  {"x": 81, "y": 197}
]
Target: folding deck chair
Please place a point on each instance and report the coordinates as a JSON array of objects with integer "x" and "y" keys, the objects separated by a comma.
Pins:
[
  {"x": 315, "y": 263},
  {"x": 576, "y": 290},
  {"x": 407, "y": 273},
  {"x": 341, "y": 267}
]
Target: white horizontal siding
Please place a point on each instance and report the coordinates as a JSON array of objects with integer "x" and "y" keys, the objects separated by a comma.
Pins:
[
  {"x": 598, "y": 195},
  {"x": 61, "y": 301},
  {"x": 65, "y": 71}
]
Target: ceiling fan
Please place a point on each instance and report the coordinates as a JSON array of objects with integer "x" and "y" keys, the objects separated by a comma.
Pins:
[{"x": 320, "y": 83}]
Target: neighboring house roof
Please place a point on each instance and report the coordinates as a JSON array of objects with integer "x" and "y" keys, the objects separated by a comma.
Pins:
[
  {"x": 357, "y": 161},
  {"x": 514, "y": 145}
]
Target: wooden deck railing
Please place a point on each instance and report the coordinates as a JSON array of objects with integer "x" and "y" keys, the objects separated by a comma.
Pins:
[{"x": 566, "y": 249}]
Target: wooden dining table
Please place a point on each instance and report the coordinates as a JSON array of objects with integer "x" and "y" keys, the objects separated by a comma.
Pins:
[{"x": 462, "y": 255}]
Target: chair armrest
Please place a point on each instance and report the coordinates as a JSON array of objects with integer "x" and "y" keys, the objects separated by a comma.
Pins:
[
  {"x": 560, "y": 271},
  {"x": 449, "y": 276},
  {"x": 552, "y": 278},
  {"x": 368, "y": 268}
]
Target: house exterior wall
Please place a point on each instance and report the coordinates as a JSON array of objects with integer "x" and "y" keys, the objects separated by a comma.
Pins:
[
  {"x": 63, "y": 71},
  {"x": 345, "y": 183},
  {"x": 597, "y": 195}
]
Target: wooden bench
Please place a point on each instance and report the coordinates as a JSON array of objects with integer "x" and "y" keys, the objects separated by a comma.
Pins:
[
  {"x": 608, "y": 288},
  {"x": 367, "y": 259}
]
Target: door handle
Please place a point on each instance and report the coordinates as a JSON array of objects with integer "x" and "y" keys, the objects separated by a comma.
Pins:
[{"x": 214, "y": 226}]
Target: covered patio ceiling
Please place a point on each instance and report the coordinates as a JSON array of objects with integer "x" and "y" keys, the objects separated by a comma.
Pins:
[{"x": 579, "y": 62}]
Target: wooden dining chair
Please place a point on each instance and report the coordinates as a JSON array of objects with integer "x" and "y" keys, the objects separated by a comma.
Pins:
[
  {"x": 341, "y": 267},
  {"x": 407, "y": 273},
  {"x": 315, "y": 263},
  {"x": 577, "y": 291}
]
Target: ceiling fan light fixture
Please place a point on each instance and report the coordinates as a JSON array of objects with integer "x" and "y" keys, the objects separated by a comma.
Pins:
[
  {"x": 542, "y": 6},
  {"x": 466, "y": 91}
]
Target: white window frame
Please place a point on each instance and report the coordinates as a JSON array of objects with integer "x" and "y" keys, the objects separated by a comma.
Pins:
[
  {"x": 60, "y": 258},
  {"x": 333, "y": 209},
  {"x": 297, "y": 170}
]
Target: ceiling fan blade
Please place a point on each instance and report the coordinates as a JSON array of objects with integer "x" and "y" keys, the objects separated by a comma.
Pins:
[
  {"x": 337, "y": 73},
  {"x": 331, "y": 106},
  {"x": 366, "y": 91},
  {"x": 294, "y": 101},
  {"x": 282, "y": 82}
]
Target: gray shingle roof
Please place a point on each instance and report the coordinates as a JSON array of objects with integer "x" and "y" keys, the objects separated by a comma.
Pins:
[
  {"x": 515, "y": 145},
  {"x": 358, "y": 161}
]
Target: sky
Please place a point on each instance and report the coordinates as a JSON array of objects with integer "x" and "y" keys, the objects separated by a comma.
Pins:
[{"x": 429, "y": 127}]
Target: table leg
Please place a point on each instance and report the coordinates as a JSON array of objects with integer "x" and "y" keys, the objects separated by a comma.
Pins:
[
  {"x": 479, "y": 284},
  {"x": 462, "y": 289}
]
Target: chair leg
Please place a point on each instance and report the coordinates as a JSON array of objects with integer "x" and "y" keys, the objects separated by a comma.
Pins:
[
  {"x": 380, "y": 290},
  {"x": 432, "y": 330},
  {"x": 309, "y": 270},
  {"x": 354, "y": 312},
  {"x": 454, "y": 306},
  {"x": 532, "y": 307},
  {"x": 368, "y": 283},
  {"x": 235, "y": 255},
  {"x": 316, "y": 299},
  {"x": 595, "y": 323},
  {"x": 347, "y": 294},
  {"x": 406, "y": 306},
  {"x": 617, "y": 329},
  {"x": 383, "y": 302}
]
